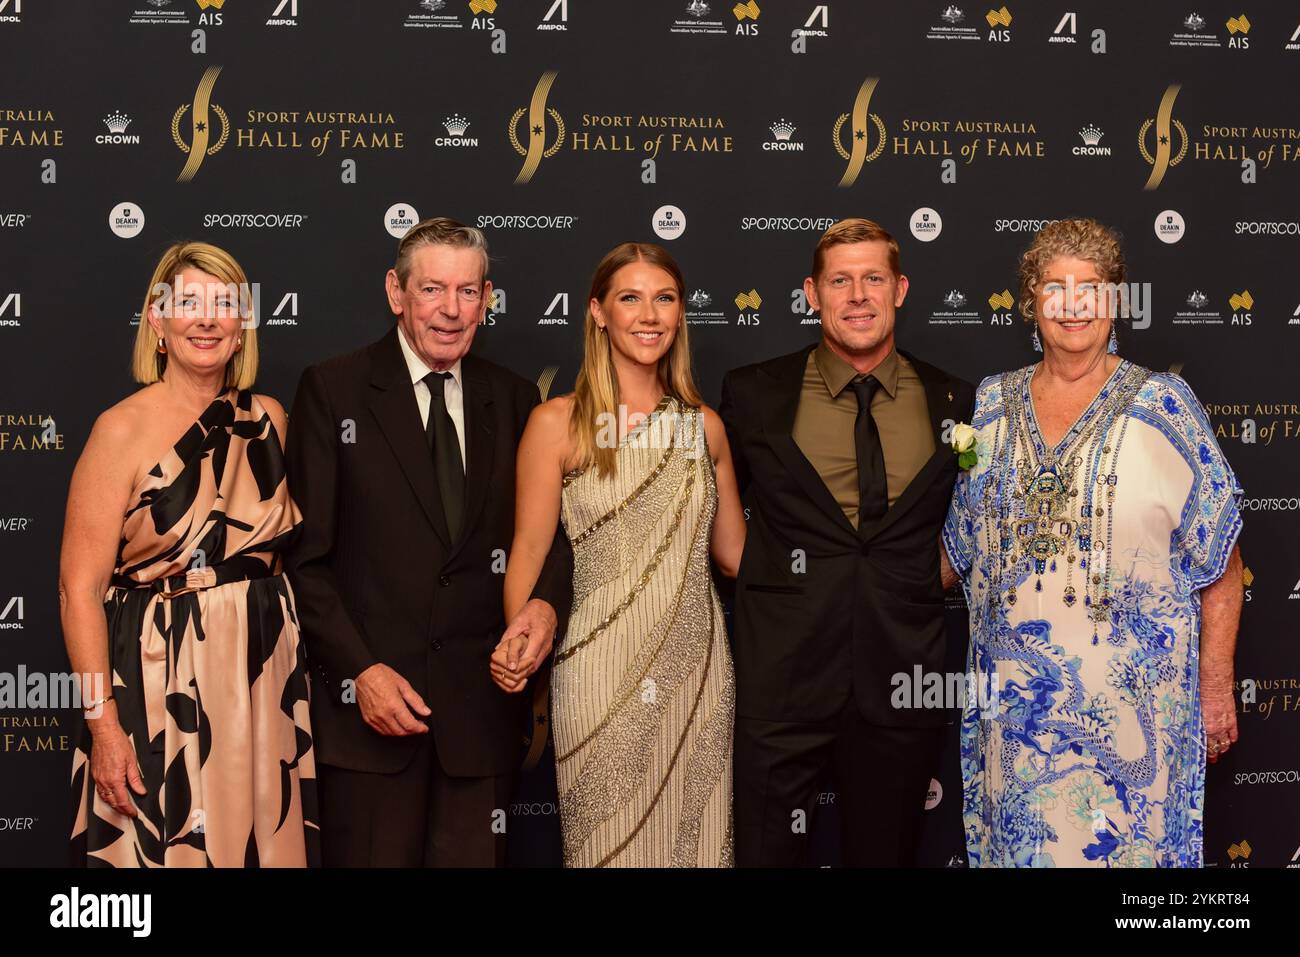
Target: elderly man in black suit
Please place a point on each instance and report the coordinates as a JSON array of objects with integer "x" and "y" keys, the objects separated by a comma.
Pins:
[{"x": 401, "y": 456}]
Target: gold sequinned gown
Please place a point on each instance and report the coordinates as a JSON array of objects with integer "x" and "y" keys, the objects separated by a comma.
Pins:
[
  {"x": 209, "y": 670},
  {"x": 643, "y": 692}
]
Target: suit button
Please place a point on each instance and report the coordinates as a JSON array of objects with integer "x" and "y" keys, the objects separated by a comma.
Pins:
[
  {"x": 444, "y": 580},
  {"x": 436, "y": 645}
]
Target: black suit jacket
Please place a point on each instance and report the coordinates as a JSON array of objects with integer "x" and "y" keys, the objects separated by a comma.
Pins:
[
  {"x": 868, "y": 602},
  {"x": 375, "y": 574}
]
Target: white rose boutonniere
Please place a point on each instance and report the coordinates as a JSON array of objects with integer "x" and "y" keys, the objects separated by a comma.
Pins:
[{"x": 963, "y": 443}]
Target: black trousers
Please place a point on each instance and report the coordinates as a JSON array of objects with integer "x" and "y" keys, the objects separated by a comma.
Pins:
[
  {"x": 882, "y": 775},
  {"x": 417, "y": 817}
]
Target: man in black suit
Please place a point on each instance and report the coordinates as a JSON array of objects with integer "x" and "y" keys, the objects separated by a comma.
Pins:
[
  {"x": 401, "y": 457},
  {"x": 842, "y": 456}
]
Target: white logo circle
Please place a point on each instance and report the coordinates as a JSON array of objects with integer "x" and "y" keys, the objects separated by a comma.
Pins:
[
  {"x": 399, "y": 219},
  {"x": 126, "y": 220},
  {"x": 934, "y": 795},
  {"x": 669, "y": 222},
  {"x": 927, "y": 224},
  {"x": 1170, "y": 226}
]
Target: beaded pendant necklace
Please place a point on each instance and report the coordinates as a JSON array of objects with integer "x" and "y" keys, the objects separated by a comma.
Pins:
[{"x": 1062, "y": 501}]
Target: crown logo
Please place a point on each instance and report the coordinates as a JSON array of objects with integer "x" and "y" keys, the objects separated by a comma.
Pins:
[
  {"x": 1194, "y": 21},
  {"x": 954, "y": 299},
  {"x": 117, "y": 122},
  {"x": 783, "y": 129},
  {"x": 952, "y": 14},
  {"x": 455, "y": 124},
  {"x": 1091, "y": 135}
]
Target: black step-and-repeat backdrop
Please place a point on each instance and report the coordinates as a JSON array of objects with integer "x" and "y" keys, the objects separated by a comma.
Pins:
[{"x": 305, "y": 135}]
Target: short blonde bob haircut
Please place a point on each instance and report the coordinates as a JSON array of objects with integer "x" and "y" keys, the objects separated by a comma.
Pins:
[{"x": 147, "y": 363}]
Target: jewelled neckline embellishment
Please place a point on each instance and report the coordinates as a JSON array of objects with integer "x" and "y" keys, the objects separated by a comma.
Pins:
[{"x": 1064, "y": 498}]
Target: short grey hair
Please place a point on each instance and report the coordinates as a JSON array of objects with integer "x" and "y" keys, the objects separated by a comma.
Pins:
[{"x": 438, "y": 231}]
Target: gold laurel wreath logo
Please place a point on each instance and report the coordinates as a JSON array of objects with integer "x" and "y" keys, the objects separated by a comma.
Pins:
[
  {"x": 559, "y": 125},
  {"x": 176, "y": 128},
  {"x": 1165, "y": 126},
  {"x": 880, "y": 144},
  {"x": 1142, "y": 145},
  {"x": 546, "y": 380}
]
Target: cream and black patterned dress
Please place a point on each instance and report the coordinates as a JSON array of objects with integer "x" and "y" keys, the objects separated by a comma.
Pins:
[
  {"x": 643, "y": 692},
  {"x": 209, "y": 671}
]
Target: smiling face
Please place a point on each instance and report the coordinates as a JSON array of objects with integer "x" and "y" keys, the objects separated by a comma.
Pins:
[
  {"x": 1075, "y": 307},
  {"x": 199, "y": 322},
  {"x": 442, "y": 302},
  {"x": 641, "y": 313},
  {"x": 857, "y": 294}
]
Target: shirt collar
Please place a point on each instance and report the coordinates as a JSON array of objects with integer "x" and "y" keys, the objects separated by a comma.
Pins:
[
  {"x": 415, "y": 365},
  {"x": 837, "y": 373}
]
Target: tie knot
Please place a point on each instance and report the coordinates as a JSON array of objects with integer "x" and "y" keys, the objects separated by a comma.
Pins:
[
  {"x": 865, "y": 387},
  {"x": 435, "y": 381}
]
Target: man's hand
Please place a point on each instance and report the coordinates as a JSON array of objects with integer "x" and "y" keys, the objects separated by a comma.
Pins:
[
  {"x": 387, "y": 701},
  {"x": 947, "y": 574},
  {"x": 527, "y": 642}
]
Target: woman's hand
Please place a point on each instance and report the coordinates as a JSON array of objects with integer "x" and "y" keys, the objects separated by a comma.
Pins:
[
  {"x": 113, "y": 766},
  {"x": 1219, "y": 712}
]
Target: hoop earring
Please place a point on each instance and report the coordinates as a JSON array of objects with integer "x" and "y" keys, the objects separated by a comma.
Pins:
[{"x": 1038, "y": 343}]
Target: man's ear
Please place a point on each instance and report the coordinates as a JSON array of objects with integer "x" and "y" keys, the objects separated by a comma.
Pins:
[
  {"x": 393, "y": 288},
  {"x": 810, "y": 293},
  {"x": 902, "y": 291}
]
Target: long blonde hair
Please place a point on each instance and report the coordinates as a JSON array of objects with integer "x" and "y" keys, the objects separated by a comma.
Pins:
[
  {"x": 595, "y": 393},
  {"x": 147, "y": 363}
]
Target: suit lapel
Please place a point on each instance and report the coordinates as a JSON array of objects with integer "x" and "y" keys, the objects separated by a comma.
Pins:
[
  {"x": 940, "y": 403},
  {"x": 480, "y": 432},
  {"x": 398, "y": 415},
  {"x": 785, "y": 381}
]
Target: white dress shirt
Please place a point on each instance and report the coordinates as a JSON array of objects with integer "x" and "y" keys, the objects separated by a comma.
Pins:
[{"x": 452, "y": 391}]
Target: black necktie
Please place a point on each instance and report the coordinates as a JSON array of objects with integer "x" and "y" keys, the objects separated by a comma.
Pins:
[
  {"x": 873, "y": 490},
  {"x": 441, "y": 434}
]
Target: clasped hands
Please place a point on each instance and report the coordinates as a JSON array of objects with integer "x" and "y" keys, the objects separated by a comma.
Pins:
[{"x": 527, "y": 643}]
